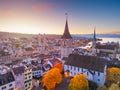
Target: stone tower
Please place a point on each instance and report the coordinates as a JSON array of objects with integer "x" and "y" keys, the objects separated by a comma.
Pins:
[{"x": 66, "y": 48}]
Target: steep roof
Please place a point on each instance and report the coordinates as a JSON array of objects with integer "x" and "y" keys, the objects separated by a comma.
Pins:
[
  {"x": 6, "y": 78},
  {"x": 18, "y": 70},
  {"x": 66, "y": 34},
  {"x": 87, "y": 62}
]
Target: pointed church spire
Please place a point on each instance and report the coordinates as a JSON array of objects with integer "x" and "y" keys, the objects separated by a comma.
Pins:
[
  {"x": 94, "y": 43},
  {"x": 66, "y": 34},
  {"x": 94, "y": 38}
]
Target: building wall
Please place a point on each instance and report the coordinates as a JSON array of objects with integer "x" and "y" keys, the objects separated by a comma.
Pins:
[
  {"x": 19, "y": 81},
  {"x": 97, "y": 77},
  {"x": 118, "y": 56},
  {"x": 28, "y": 79},
  {"x": 8, "y": 86},
  {"x": 37, "y": 73},
  {"x": 105, "y": 50},
  {"x": 65, "y": 51}
]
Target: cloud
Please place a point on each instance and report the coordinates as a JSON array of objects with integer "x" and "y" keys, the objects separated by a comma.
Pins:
[
  {"x": 42, "y": 7},
  {"x": 112, "y": 32},
  {"x": 6, "y": 12},
  {"x": 116, "y": 32}
]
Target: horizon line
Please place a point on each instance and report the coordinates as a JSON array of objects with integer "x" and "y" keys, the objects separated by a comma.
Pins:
[{"x": 59, "y": 34}]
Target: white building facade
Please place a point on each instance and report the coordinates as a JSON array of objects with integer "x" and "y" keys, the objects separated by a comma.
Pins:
[{"x": 79, "y": 65}]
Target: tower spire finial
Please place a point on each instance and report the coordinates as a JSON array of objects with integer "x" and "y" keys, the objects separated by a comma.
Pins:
[
  {"x": 66, "y": 15},
  {"x": 94, "y": 33},
  {"x": 66, "y": 34}
]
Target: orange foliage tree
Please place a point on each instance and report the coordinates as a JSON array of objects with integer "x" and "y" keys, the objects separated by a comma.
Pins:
[
  {"x": 51, "y": 78},
  {"x": 59, "y": 66},
  {"x": 113, "y": 75},
  {"x": 79, "y": 82}
]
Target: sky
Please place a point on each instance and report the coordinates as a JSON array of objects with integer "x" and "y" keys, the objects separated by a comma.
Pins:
[{"x": 48, "y": 16}]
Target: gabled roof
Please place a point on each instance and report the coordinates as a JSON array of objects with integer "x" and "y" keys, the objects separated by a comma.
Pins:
[
  {"x": 66, "y": 34},
  {"x": 86, "y": 62}
]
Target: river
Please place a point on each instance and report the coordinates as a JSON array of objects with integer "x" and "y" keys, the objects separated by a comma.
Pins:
[{"x": 104, "y": 40}]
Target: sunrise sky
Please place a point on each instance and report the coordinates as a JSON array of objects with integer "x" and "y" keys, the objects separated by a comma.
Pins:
[{"x": 48, "y": 16}]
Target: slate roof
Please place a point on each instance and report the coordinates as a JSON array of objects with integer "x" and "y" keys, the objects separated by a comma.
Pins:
[
  {"x": 36, "y": 68},
  {"x": 53, "y": 61},
  {"x": 110, "y": 47},
  {"x": 6, "y": 78},
  {"x": 18, "y": 70},
  {"x": 87, "y": 62},
  {"x": 66, "y": 34}
]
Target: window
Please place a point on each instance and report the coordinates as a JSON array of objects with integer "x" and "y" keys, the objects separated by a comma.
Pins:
[
  {"x": 10, "y": 85},
  {"x": 3, "y": 88},
  {"x": 1, "y": 82},
  {"x": 82, "y": 69},
  {"x": 67, "y": 66},
  {"x": 29, "y": 76},
  {"x": 74, "y": 68},
  {"x": 87, "y": 73},
  {"x": 25, "y": 77},
  {"x": 29, "y": 83},
  {"x": 29, "y": 73},
  {"x": 26, "y": 85}
]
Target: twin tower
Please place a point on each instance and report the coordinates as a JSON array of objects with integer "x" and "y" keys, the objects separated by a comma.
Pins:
[{"x": 66, "y": 48}]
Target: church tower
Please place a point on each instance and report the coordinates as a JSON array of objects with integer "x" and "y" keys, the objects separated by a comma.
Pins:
[
  {"x": 42, "y": 43},
  {"x": 94, "y": 43},
  {"x": 66, "y": 48}
]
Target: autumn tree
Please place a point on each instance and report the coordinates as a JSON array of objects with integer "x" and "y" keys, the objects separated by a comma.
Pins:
[
  {"x": 59, "y": 66},
  {"x": 67, "y": 74},
  {"x": 51, "y": 78},
  {"x": 18, "y": 44},
  {"x": 114, "y": 87},
  {"x": 113, "y": 75},
  {"x": 102, "y": 88},
  {"x": 79, "y": 82}
]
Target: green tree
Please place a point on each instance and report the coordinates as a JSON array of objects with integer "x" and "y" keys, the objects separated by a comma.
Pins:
[{"x": 79, "y": 82}]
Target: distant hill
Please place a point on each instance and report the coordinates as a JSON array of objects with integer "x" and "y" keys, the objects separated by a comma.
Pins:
[
  {"x": 19, "y": 35},
  {"x": 9, "y": 35},
  {"x": 99, "y": 35}
]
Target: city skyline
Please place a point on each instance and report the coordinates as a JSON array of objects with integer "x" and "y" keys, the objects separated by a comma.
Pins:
[{"x": 48, "y": 16}]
